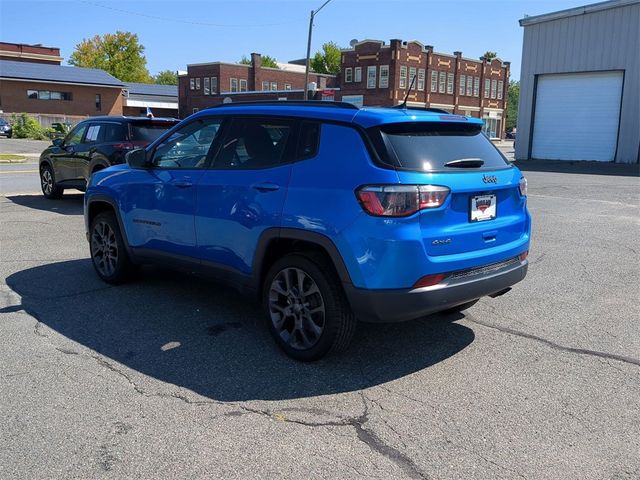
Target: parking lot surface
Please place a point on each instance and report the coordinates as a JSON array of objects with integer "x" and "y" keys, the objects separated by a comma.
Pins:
[{"x": 174, "y": 377}]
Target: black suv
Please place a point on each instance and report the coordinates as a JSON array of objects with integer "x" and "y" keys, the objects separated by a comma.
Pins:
[{"x": 92, "y": 145}]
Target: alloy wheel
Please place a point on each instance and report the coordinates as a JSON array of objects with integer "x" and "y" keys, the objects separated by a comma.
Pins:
[
  {"x": 47, "y": 181},
  {"x": 296, "y": 308},
  {"x": 104, "y": 248}
]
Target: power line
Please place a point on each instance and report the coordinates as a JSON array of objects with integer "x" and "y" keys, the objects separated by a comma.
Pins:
[{"x": 188, "y": 22}]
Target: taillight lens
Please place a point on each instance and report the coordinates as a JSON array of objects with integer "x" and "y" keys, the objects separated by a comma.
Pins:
[
  {"x": 123, "y": 146},
  {"x": 523, "y": 187},
  {"x": 400, "y": 200}
]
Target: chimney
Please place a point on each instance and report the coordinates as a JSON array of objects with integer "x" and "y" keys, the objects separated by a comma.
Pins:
[
  {"x": 429, "y": 48},
  {"x": 458, "y": 54},
  {"x": 256, "y": 60},
  {"x": 255, "y": 74}
]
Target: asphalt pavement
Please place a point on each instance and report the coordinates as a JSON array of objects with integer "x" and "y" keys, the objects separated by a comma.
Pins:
[{"x": 173, "y": 377}]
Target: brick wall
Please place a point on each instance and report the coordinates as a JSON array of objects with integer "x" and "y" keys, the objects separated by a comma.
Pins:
[{"x": 21, "y": 52}]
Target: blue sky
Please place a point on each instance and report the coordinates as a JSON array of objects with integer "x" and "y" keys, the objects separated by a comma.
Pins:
[{"x": 176, "y": 33}]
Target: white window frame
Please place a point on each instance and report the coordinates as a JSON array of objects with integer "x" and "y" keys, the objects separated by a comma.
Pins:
[
  {"x": 450, "y": 83},
  {"x": 192, "y": 84},
  {"x": 233, "y": 81},
  {"x": 434, "y": 81},
  {"x": 487, "y": 87},
  {"x": 274, "y": 86},
  {"x": 412, "y": 75},
  {"x": 207, "y": 87},
  {"x": 403, "y": 77},
  {"x": 470, "y": 87},
  {"x": 462, "y": 90},
  {"x": 243, "y": 85},
  {"x": 265, "y": 86},
  {"x": 494, "y": 86},
  {"x": 357, "y": 74},
  {"x": 383, "y": 81},
  {"x": 442, "y": 82},
  {"x": 287, "y": 86},
  {"x": 476, "y": 86},
  {"x": 420, "y": 80},
  {"x": 500, "y": 89},
  {"x": 198, "y": 83},
  {"x": 348, "y": 75},
  {"x": 214, "y": 85},
  {"x": 372, "y": 72}
]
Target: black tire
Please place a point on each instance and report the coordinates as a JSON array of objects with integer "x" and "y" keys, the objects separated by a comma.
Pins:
[
  {"x": 462, "y": 307},
  {"x": 50, "y": 188},
  {"x": 337, "y": 326},
  {"x": 108, "y": 253}
]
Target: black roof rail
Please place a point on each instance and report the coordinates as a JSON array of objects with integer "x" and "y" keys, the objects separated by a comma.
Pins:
[
  {"x": 296, "y": 103},
  {"x": 424, "y": 109}
]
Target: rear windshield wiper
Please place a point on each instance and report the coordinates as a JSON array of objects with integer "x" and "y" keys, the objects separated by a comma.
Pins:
[{"x": 465, "y": 163}]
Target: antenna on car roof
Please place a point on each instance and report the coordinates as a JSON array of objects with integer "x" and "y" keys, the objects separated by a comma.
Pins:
[{"x": 404, "y": 102}]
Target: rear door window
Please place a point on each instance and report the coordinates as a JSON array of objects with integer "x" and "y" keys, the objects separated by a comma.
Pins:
[
  {"x": 436, "y": 146},
  {"x": 148, "y": 131},
  {"x": 309, "y": 140},
  {"x": 113, "y": 132}
]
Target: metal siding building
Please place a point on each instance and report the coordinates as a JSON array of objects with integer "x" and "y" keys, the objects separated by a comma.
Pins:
[{"x": 597, "y": 41}]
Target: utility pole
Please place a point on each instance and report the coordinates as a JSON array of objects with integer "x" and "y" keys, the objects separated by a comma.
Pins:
[{"x": 306, "y": 68}]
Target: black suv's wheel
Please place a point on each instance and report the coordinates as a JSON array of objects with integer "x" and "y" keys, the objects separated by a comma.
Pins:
[
  {"x": 307, "y": 313},
  {"x": 48, "y": 183},
  {"x": 107, "y": 248}
]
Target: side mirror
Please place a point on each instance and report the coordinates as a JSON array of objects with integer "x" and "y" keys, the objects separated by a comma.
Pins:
[
  {"x": 137, "y": 158},
  {"x": 57, "y": 142}
]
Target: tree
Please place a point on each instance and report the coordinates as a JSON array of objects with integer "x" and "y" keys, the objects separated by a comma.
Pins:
[
  {"x": 267, "y": 61},
  {"x": 327, "y": 61},
  {"x": 166, "y": 77},
  {"x": 488, "y": 55},
  {"x": 119, "y": 54},
  {"x": 512, "y": 104}
]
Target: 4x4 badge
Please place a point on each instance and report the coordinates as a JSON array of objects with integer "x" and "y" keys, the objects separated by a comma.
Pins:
[{"x": 489, "y": 179}]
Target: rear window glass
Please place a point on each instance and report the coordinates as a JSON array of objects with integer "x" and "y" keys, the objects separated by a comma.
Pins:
[
  {"x": 148, "y": 132},
  {"x": 429, "y": 147}
]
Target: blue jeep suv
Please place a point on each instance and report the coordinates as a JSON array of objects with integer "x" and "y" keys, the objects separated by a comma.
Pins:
[{"x": 326, "y": 213}]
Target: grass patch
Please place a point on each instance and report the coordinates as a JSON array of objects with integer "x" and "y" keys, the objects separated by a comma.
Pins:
[{"x": 8, "y": 158}]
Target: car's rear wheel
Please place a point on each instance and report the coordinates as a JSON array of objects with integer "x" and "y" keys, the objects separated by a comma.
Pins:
[
  {"x": 108, "y": 253},
  {"x": 307, "y": 313},
  {"x": 50, "y": 189}
]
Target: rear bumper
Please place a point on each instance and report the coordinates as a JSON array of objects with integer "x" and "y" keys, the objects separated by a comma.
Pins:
[{"x": 408, "y": 304}]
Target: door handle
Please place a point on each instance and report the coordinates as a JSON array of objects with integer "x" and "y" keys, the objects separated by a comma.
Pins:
[
  {"x": 266, "y": 187},
  {"x": 182, "y": 183}
]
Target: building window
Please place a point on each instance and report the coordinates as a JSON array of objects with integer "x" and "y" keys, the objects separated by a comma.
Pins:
[
  {"x": 265, "y": 86},
  {"x": 198, "y": 83},
  {"x": 500, "y": 89},
  {"x": 403, "y": 77},
  {"x": 192, "y": 84},
  {"x": 476, "y": 86},
  {"x": 206, "y": 85},
  {"x": 384, "y": 76},
  {"x": 48, "y": 95},
  {"x": 214, "y": 85},
  {"x": 469, "y": 86},
  {"x": 412, "y": 75},
  {"x": 442, "y": 84},
  {"x": 487, "y": 87},
  {"x": 233, "y": 84},
  {"x": 287, "y": 86},
  {"x": 243, "y": 85},
  {"x": 274, "y": 85},
  {"x": 463, "y": 79},
  {"x": 357, "y": 74},
  {"x": 371, "y": 77},
  {"x": 494, "y": 85},
  {"x": 434, "y": 81},
  {"x": 348, "y": 73},
  {"x": 449, "y": 83},
  {"x": 421, "y": 79},
  {"x": 98, "y": 102}
]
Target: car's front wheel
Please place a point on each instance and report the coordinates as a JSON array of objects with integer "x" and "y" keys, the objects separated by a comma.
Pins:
[
  {"x": 108, "y": 253},
  {"x": 50, "y": 188},
  {"x": 307, "y": 312}
]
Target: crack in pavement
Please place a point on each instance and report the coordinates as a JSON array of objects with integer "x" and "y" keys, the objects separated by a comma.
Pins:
[{"x": 554, "y": 345}]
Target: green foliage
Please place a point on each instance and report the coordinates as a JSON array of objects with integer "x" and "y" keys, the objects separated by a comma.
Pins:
[
  {"x": 25, "y": 126},
  {"x": 267, "y": 61},
  {"x": 119, "y": 54},
  {"x": 327, "y": 61},
  {"x": 489, "y": 55},
  {"x": 512, "y": 104},
  {"x": 166, "y": 77}
]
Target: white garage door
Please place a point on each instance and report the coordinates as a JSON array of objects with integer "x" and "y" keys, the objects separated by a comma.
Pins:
[{"x": 576, "y": 116}]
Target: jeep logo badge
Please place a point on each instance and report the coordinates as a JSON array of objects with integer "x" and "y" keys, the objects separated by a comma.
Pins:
[{"x": 489, "y": 179}]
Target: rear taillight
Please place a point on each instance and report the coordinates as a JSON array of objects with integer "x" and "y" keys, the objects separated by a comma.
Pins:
[
  {"x": 523, "y": 256},
  {"x": 123, "y": 146},
  {"x": 400, "y": 200},
  {"x": 523, "y": 187}
]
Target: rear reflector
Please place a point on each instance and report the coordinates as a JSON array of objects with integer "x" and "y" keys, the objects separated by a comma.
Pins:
[
  {"x": 429, "y": 280},
  {"x": 523, "y": 256}
]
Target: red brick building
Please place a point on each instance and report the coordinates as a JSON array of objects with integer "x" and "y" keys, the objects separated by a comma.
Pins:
[
  {"x": 207, "y": 84},
  {"x": 375, "y": 73},
  {"x": 21, "y": 52}
]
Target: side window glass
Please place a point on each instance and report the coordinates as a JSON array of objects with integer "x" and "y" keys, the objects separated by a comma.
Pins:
[
  {"x": 93, "y": 133},
  {"x": 309, "y": 140},
  {"x": 113, "y": 132},
  {"x": 75, "y": 136},
  {"x": 188, "y": 147},
  {"x": 253, "y": 143}
]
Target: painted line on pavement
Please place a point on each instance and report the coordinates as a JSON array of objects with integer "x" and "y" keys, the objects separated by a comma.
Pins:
[{"x": 18, "y": 171}]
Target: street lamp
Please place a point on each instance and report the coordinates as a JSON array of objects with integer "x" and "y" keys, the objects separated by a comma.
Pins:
[{"x": 306, "y": 68}]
